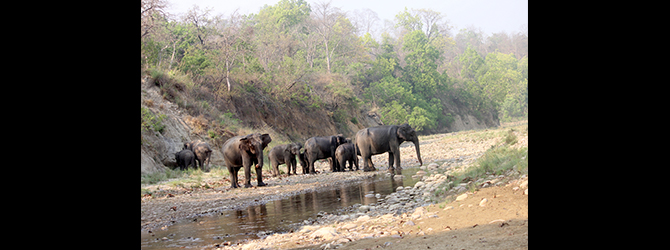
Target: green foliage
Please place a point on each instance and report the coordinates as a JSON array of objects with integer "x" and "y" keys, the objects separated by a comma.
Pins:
[
  {"x": 151, "y": 121},
  {"x": 499, "y": 160},
  {"x": 194, "y": 61},
  {"x": 394, "y": 113},
  {"x": 280, "y": 51}
]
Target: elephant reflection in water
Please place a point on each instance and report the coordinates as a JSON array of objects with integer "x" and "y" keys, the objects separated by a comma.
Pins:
[
  {"x": 254, "y": 216},
  {"x": 368, "y": 187},
  {"x": 396, "y": 182}
]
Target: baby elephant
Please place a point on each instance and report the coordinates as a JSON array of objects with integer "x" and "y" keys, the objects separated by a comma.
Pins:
[
  {"x": 185, "y": 158},
  {"x": 202, "y": 153},
  {"x": 285, "y": 154},
  {"x": 347, "y": 153}
]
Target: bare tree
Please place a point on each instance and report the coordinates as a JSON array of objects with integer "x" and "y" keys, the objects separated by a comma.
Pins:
[
  {"x": 150, "y": 10},
  {"x": 229, "y": 39},
  {"x": 325, "y": 17},
  {"x": 365, "y": 21},
  {"x": 199, "y": 18}
]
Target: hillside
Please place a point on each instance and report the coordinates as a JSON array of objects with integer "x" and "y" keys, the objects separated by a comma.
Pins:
[{"x": 174, "y": 112}]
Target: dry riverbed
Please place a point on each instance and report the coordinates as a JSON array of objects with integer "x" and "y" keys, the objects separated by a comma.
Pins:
[{"x": 402, "y": 220}]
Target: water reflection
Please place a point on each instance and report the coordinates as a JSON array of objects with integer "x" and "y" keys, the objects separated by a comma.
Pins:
[{"x": 273, "y": 217}]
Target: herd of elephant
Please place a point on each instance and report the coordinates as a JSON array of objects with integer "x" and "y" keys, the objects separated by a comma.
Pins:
[{"x": 247, "y": 151}]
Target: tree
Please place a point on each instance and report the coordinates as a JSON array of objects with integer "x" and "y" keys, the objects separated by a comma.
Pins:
[
  {"x": 232, "y": 40},
  {"x": 151, "y": 10},
  {"x": 365, "y": 21},
  {"x": 326, "y": 17}
]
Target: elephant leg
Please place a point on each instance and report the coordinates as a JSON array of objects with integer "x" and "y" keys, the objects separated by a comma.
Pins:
[
  {"x": 233, "y": 177},
  {"x": 292, "y": 164},
  {"x": 275, "y": 169},
  {"x": 356, "y": 162},
  {"x": 311, "y": 164},
  {"x": 367, "y": 163},
  {"x": 391, "y": 159},
  {"x": 247, "y": 175},
  {"x": 371, "y": 165},
  {"x": 333, "y": 163},
  {"x": 341, "y": 162},
  {"x": 259, "y": 177},
  {"x": 398, "y": 168}
]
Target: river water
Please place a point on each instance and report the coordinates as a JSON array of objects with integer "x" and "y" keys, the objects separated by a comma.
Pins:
[{"x": 276, "y": 216}]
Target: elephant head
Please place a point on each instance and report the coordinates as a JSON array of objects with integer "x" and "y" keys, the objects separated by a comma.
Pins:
[
  {"x": 255, "y": 144},
  {"x": 407, "y": 133},
  {"x": 295, "y": 148},
  {"x": 338, "y": 139}
]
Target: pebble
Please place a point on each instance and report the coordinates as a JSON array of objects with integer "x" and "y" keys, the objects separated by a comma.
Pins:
[
  {"x": 364, "y": 208},
  {"x": 483, "y": 202},
  {"x": 525, "y": 192},
  {"x": 461, "y": 197},
  {"x": 523, "y": 184},
  {"x": 419, "y": 184},
  {"x": 369, "y": 195},
  {"x": 326, "y": 233},
  {"x": 363, "y": 218}
]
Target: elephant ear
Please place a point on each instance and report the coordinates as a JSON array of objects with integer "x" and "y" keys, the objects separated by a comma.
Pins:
[
  {"x": 266, "y": 139},
  {"x": 245, "y": 145},
  {"x": 403, "y": 131},
  {"x": 333, "y": 141}
]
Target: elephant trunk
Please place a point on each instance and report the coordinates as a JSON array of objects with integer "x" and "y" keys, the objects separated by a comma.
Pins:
[
  {"x": 259, "y": 156},
  {"x": 418, "y": 152}
]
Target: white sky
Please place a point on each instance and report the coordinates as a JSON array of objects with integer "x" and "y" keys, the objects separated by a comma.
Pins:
[{"x": 490, "y": 15}]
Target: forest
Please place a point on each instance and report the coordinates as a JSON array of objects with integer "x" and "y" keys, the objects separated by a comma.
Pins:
[{"x": 315, "y": 56}]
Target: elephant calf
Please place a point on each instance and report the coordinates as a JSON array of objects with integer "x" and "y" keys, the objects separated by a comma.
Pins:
[
  {"x": 347, "y": 153},
  {"x": 185, "y": 158},
  {"x": 202, "y": 152},
  {"x": 285, "y": 154}
]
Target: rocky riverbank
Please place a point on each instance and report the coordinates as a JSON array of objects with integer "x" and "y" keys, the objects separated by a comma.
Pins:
[{"x": 409, "y": 213}]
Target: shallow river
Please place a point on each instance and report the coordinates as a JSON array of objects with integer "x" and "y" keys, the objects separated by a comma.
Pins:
[{"x": 276, "y": 216}]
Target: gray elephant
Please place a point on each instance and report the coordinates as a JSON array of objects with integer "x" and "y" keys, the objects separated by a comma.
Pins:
[
  {"x": 322, "y": 147},
  {"x": 202, "y": 152},
  {"x": 245, "y": 151},
  {"x": 285, "y": 154},
  {"x": 185, "y": 158},
  {"x": 347, "y": 153},
  {"x": 381, "y": 139}
]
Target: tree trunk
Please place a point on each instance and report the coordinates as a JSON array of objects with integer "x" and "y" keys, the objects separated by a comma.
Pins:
[
  {"x": 174, "y": 46},
  {"x": 327, "y": 56},
  {"x": 228, "y": 76}
]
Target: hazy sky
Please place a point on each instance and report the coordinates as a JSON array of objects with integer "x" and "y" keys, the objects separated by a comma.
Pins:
[{"x": 489, "y": 15}]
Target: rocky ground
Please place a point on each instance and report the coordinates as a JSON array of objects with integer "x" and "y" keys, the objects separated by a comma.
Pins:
[
  {"x": 495, "y": 217},
  {"x": 487, "y": 213}
]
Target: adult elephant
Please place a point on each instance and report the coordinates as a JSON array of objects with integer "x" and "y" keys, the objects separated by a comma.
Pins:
[
  {"x": 244, "y": 151},
  {"x": 202, "y": 153},
  {"x": 285, "y": 154},
  {"x": 322, "y": 147},
  {"x": 381, "y": 139}
]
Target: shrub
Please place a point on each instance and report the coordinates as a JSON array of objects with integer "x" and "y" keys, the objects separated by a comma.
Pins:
[{"x": 151, "y": 121}]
